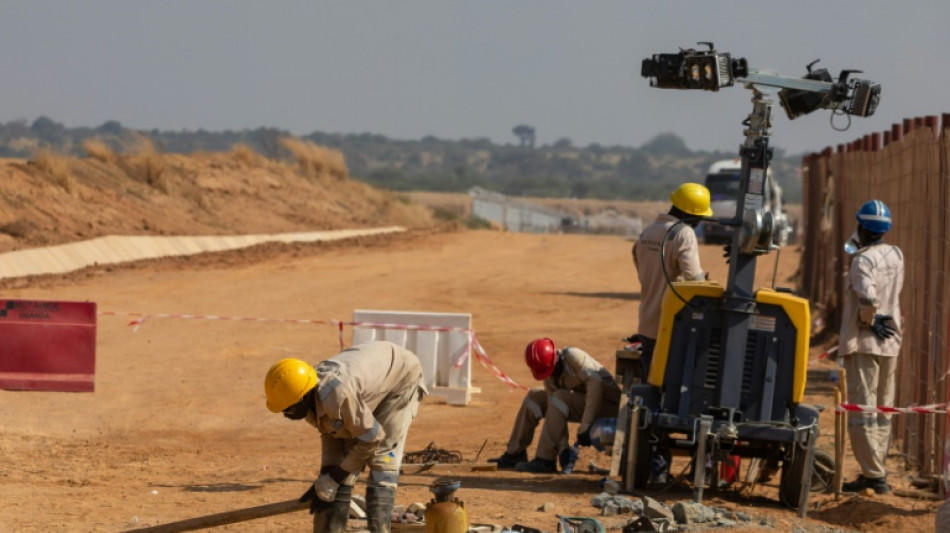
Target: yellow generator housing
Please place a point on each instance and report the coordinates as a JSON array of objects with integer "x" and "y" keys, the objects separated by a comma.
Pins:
[
  {"x": 691, "y": 404},
  {"x": 688, "y": 353}
]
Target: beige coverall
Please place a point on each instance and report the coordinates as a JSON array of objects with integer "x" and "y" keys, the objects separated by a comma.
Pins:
[
  {"x": 583, "y": 392},
  {"x": 367, "y": 395},
  {"x": 873, "y": 288},
  {"x": 682, "y": 262}
]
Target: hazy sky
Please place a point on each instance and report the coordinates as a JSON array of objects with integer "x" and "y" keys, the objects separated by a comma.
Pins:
[{"x": 455, "y": 69}]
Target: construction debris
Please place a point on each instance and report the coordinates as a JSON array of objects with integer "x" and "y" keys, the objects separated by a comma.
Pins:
[
  {"x": 692, "y": 513},
  {"x": 657, "y": 516},
  {"x": 613, "y": 504},
  {"x": 579, "y": 524},
  {"x": 653, "y": 510},
  {"x": 644, "y": 524},
  {"x": 433, "y": 455}
]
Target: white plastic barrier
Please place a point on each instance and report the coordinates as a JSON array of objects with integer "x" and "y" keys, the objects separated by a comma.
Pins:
[{"x": 442, "y": 341}]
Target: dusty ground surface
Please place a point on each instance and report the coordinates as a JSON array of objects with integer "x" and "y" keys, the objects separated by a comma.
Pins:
[{"x": 177, "y": 426}]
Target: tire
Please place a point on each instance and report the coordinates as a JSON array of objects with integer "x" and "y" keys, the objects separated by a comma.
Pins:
[
  {"x": 793, "y": 473},
  {"x": 823, "y": 472}
]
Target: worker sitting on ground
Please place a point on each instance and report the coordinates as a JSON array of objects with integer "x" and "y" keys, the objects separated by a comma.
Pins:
[
  {"x": 577, "y": 388},
  {"x": 362, "y": 401}
]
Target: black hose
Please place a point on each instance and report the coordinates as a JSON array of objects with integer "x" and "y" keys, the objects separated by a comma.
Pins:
[{"x": 666, "y": 274}]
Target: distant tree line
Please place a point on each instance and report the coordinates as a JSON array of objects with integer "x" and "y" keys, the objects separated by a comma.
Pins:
[{"x": 560, "y": 169}]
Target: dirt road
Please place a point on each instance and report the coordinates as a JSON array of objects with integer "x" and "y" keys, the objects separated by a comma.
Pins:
[{"x": 177, "y": 426}]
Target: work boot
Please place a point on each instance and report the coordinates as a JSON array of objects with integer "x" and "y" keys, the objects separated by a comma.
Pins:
[
  {"x": 567, "y": 458},
  {"x": 537, "y": 466},
  {"x": 379, "y": 508},
  {"x": 878, "y": 485},
  {"x": 508, "y": 460},
  {"x": 333, "y": 518}
]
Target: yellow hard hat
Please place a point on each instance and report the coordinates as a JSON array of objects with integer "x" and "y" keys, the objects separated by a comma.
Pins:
[
  {"x": 287, "y": 382},
  {"x": 692, "y": 199}
]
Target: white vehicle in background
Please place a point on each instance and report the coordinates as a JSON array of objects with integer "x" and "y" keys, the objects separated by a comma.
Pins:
[{"x": 722, "y": 180}]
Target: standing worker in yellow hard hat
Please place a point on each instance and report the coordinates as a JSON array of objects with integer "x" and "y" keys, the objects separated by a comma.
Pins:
[
  {"x": 681, "y": 254},
  {"x": 362, "y": 401},
  {"x": 681, "y": 257}
]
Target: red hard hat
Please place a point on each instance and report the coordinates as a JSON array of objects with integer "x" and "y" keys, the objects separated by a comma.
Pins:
[{"x": 541, "y": 357}]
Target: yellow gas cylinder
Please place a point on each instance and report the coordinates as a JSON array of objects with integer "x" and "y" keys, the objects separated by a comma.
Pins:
[{"x": 445, "y": 513}]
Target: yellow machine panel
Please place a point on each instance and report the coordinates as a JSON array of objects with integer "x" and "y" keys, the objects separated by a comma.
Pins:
[
  {"x": 795, "y": 309},
  {"x": 798, "y": 312},
  {"x": 671, "y": 306}
]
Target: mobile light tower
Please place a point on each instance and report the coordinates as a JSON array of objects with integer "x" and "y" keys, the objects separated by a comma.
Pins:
[{"x": 728, "y": 374}]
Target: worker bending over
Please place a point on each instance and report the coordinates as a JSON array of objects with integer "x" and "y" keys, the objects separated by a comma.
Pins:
[{"x": 362, "y": 401}]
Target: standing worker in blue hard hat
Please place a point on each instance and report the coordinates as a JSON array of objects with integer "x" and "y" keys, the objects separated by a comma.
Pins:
[
  {"x": 870, "y": 340},
  {"x": 362, "y": 401}
]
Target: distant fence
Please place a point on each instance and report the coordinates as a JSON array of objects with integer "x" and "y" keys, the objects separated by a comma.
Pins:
[
  {"x": 512, "y": 214},
  {"x": 907, "y": 168}
]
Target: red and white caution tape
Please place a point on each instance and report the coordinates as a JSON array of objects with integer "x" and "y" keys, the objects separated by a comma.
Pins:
[
  {"x": 483, "y": 358},
  {"x": 359, "y": 324},
  {"x": 459, "y": 358},
  {"x": 415, "y": 327},
  {"x": 462, "y": 354},
  {"x": 141, "y": 318},
  {"x": 828, "y": 353},
  {"x": 936, "y": 408}
]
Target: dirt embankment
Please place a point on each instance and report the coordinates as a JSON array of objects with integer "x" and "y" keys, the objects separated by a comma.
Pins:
[{"x": 51, "y": 199}]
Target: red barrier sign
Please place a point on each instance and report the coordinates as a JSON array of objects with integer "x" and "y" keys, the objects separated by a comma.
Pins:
[{"x": 49, "y": 346}]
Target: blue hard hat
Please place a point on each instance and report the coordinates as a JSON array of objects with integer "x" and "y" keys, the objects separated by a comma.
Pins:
[{"x": 874, "y": 216}]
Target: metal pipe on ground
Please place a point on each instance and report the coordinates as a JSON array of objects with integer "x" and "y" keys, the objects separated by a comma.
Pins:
[{"x": 227, "y": 517}]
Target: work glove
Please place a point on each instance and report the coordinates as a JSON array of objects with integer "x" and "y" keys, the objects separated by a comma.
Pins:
[
  {"x": 882, "y": 326},
  {"x": 583, "y": 438},
  {"x": 326, "y": 487},
  {"x": 316, "y": 504},
  {"x": 323, "y": 491}
]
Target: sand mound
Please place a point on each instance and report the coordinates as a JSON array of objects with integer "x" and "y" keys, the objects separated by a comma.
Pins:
[{"x": 51, "y": 199}]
